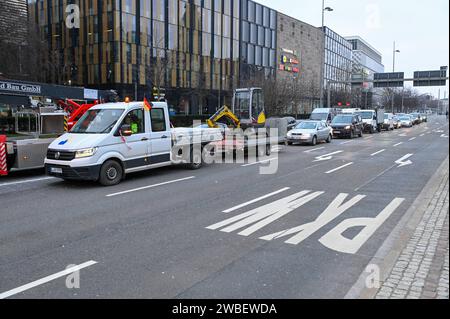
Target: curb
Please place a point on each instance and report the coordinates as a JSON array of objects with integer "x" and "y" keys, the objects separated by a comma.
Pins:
[{"x": 390, "y": 250}]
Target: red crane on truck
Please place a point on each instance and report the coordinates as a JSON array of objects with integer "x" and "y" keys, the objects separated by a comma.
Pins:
[{"x": 75, "y": 110}]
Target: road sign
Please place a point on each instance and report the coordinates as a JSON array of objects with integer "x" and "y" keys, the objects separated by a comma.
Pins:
[
  {"x": 431, "y": 78},
  {"x": 389, "y": 80}
]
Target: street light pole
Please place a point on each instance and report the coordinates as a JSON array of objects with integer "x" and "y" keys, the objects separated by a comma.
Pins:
[
  {"x": 395, "y": 51},
  {"x": 322, "y": 68}
]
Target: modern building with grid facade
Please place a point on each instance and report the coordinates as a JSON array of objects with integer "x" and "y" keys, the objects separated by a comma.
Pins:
[
  {"x": 193, "y": 50},
  {"x": 338, "y": 67}
]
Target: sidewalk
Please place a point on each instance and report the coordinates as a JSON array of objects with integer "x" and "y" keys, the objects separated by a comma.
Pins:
[
  {"x": 422, "y": 269},
  {"x": 413, "y": 261}
]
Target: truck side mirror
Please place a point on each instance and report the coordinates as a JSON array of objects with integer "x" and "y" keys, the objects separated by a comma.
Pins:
[{"x": 125, "y": 130}]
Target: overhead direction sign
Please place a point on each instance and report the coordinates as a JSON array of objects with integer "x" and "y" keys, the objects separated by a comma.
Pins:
[
  {"x": 431, "y": 78},
  {"x": 386, "y": 80}
]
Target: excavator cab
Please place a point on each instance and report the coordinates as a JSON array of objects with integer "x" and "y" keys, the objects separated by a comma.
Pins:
[{"x": 248, "y": 106}]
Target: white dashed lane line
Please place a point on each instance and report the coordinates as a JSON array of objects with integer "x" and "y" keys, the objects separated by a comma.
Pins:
[
  {"x": 47, "y": 279},
  {"x": 27, "y": 181},
  {"x": 339, "y": 168}
]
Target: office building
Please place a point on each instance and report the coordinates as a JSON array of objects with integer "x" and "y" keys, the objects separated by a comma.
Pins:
[
  {"x": 337, "y": 68},
  {"x": 300, "y": 46},
  {"x": 366, "y": 62}
]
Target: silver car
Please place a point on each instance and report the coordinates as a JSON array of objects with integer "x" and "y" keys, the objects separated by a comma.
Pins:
[
  {"x": 310, "y": 132},
  {"x": 406, "y": 120}
]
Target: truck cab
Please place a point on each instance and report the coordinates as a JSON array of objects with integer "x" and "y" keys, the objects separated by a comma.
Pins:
[
  {"x": 373, "y": 120},
  {"x": 112, "y": 140}
]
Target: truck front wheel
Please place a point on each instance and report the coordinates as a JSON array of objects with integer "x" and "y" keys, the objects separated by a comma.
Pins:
[{"x": 111, "y": 173}]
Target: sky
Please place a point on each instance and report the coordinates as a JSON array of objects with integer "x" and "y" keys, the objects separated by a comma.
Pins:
[{"x": 419, "y": 28}]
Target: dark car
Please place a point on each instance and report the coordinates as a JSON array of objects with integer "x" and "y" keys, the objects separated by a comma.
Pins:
[
  {"x": 347, "y": 125},
  {"x": 415, "y": 118},
  {"x": 292, "y": 122}
]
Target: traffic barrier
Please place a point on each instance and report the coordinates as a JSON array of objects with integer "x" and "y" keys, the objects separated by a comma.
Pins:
[
  {"x": 3, "y": 167},
  {"x": 66, "y": 124}
]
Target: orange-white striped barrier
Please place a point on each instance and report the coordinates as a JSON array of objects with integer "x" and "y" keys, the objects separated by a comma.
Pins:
[{"x": 3, "y": 167}]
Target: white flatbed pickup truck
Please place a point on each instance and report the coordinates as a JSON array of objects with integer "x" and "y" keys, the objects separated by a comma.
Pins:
[{"x": 114, "y": 139}]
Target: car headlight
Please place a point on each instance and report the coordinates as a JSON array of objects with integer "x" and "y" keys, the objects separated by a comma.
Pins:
[
  {"x": 88, "y": 152},
  {"x": 289, "y": 134},
  {"x": 348, "y": 127}
]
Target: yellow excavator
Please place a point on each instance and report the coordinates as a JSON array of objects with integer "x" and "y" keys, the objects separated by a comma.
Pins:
[
  {"x": 247, "y": 114},
  {"x": 247, "y": 111}
]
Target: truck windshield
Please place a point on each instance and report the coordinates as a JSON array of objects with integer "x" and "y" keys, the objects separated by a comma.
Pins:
[
  {"x": 366, "y": 115},
  {"x": 319, "y": 117},
  {"x": 97, "y": 122}
]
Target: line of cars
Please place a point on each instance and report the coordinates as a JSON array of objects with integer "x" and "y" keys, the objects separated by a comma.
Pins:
[{"x": 327, "y": 124}]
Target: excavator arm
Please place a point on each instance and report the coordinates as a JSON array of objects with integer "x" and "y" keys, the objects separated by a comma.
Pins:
[{"x": 221, "y": 113}]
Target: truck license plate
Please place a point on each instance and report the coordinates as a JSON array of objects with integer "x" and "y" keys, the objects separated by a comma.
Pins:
[{"x": 56, "y": 170}]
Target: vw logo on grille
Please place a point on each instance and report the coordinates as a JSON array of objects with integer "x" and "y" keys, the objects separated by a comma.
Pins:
[{"x": 57, "y": 155}]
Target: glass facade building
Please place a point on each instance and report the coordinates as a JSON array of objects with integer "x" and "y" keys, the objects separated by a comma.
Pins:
[
  {"x": 194, "y": 50},
  {"x": 258, "y": 41},
  {"x": 366, "y": 62},
  {"x": 338, "y": 65}
]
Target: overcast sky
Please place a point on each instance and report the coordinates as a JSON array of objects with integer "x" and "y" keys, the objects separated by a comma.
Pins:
[{"x": 420, "y": 28}]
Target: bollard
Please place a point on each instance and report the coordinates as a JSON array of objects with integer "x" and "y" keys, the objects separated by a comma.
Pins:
[{"x": 3, "y": 166}]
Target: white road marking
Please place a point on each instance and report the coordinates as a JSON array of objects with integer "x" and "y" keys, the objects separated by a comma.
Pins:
[
  {"x": 260, "y": 162},
  {"x": 336, "y": 241},
  {"x": 403, "y": 161},
  {"x": 422, "y": 135},
  {"x": 379, "y": 175},
  {"x": 327, "y": 157},
  {"x": 376, "y": 153},
  {"x": 302, "y": 232},
  {"x": 398, "y": 144},
  {"x": 44, "y": 280},
  {"x": 412, "y": 138},
  {"x": 368, "y": 137},
  {"x": 277, "y": 149},
  {"x": 444, "y": 136},
  {"x": 314, "y": 149},
  {"x": 260, "y": 217},
  {"x": 27, "y": 181},
  {"x": 150, "y": 186},
  {"x": 339, "y": 168},
  {"x": 343, "y": 143},
  {"x": 255, "y": 200}
]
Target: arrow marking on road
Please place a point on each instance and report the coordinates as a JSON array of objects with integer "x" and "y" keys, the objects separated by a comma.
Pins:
[
  {"x": 404, "y": 160},
  {"x": 327, "y": 157}
]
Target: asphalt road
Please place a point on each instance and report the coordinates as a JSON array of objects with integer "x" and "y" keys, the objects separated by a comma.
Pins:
[{"x": 164, "y": 233}]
